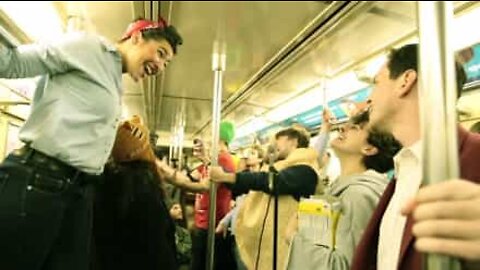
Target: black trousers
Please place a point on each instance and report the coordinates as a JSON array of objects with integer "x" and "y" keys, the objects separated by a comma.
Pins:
[
  {"x": 223, "y": 259},
  {"x": 45, "y": 215}
]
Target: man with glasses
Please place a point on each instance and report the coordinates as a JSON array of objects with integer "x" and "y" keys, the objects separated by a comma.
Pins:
[{"x": 364, "y": 155}]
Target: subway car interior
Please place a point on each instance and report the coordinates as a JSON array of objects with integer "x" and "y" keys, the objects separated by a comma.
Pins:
[{"x": 330, "y": 134}]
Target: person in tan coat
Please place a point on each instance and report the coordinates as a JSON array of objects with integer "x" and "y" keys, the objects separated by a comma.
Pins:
[{"x": 296, "y": 173}]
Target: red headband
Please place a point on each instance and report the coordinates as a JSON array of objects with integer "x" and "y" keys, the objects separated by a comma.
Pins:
[{"x": 142, "y": 25}]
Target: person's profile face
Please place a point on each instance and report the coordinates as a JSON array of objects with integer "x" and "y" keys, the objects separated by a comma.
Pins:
[{"x": 176, "y": 212}]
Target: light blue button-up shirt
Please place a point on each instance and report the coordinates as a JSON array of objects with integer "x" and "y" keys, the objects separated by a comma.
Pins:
[{"x": 77, "y": 104}]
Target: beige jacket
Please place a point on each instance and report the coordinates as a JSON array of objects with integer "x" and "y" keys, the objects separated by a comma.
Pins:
[{"x": 251, "y": 217}]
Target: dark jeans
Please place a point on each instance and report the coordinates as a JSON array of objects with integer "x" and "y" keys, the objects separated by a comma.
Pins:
[
  {"x": 45, "y": 214},
  {"x": 224, "y": 259}
]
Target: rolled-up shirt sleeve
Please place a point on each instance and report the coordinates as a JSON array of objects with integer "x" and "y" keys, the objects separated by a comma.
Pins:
[
  {"x": 321, "y": 145},
  {"x": 41, "y": 59}
]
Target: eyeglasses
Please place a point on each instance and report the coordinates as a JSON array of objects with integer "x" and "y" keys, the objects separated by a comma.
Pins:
[{"x": 348, "y": 127}]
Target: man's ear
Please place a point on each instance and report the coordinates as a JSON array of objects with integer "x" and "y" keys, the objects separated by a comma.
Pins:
[
  {"x": 406, "y": 83},
  {"x": 369, "y": 150}
]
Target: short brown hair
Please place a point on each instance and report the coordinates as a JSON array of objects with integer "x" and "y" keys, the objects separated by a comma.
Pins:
[{"x": 302, "y": 136}]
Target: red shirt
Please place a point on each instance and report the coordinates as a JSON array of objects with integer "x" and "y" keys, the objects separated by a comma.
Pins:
[{"x": 224, "y": 195}]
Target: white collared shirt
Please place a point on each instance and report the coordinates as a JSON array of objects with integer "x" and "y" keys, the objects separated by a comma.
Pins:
[{"x": 408, "y": 172}]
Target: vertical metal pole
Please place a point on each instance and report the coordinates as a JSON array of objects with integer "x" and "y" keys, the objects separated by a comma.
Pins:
[
  {"x": 275, "y": 219},
  {"x": 182, "y": 137},
  {"x": 324, "y": 93},
  {"x": 172, "y": 143},
  {"x": 218, "y": 67},
  {"x": 180, "y": 147},
  {"x": 437, "y": 99}
]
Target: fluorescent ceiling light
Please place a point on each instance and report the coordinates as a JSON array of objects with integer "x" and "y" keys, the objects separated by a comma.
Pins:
[
  {"x": 125, "y": 112},
  {"x": 343, "y": 85},
  {"x": 251, "y": 126},
  {"x": 336, "y": 88},
  {"x": 464, "y": 30},
  {"x": 315, "y": 115},
  {"x": 39, "y": 20},
  {"x": 312, "y": 120},
  {"x": 297, "y": 105},
  {"x": 373, "y": 66}
]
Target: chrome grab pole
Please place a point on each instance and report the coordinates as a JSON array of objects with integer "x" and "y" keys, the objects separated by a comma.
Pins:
[
  {"x": 218, "y": 67},
  {"x": 437, "y": 92},
  {"x": 324, "y": 92}
]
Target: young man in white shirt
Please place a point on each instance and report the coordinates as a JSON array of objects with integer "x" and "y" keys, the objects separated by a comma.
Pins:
[{"x": 442, "y": 218}]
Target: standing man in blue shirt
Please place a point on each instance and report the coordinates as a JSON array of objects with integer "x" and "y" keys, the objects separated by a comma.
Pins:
[{"x": 46, "y": 186}]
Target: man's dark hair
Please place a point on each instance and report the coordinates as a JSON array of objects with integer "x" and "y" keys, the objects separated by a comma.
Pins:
[
  {"x": 475, "y": 128},
  {"x": 361, "y": 118},
  {"x": 406, "y": 57},
  {"x": 169, "y": 33},
  {"x": 387, "y": 147},
  {"x": 294, "y": 133},
  {"x": 385, "y": 143}
]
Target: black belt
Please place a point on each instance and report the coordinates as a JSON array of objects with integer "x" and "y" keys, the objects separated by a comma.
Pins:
[{"x": 50, "y": 165}]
